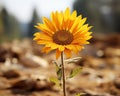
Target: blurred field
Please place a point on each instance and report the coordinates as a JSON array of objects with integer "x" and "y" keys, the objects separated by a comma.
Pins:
[{"x": 25, "y": 71}]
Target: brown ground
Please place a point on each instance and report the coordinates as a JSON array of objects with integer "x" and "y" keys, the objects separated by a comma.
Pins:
[{"x": 25, "y": 71}]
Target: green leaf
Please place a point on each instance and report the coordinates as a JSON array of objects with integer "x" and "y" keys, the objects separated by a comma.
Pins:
[
  {"x": 78, "y": 94},
  {"x": 74, "y": 72},
  {"x": 58, "y": 71},
  {"x": 55, "y": 81},
  {"x": 57, "y": 67},
  {"x": 59, "y": 74}
]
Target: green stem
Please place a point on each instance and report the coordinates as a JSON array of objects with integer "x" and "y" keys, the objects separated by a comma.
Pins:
[{"x": 63, "y": 74}]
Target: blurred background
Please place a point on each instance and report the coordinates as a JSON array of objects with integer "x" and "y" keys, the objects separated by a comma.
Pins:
[
  {"x": 24, "y": 68},
  {"x": 18, "y": 17}
]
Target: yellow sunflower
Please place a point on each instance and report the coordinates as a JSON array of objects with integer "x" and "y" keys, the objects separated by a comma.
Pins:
[{"x": 64, "y": 32}]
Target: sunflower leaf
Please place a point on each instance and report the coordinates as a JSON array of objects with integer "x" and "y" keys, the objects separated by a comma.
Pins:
[
  {"x": 78, "y": 94},
  {"x": 74, "y": 72},
  {"x": 58, "y": 70},
  {"x": 57, "y": 66},
  {"x": 55, "y": 81},
  {"x": 59, "y": 74}
]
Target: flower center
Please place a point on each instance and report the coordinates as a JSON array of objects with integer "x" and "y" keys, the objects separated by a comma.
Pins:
[{"x": 62, "y": 37}]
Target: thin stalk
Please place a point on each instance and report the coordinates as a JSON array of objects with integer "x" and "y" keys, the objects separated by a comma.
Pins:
[{"x": 63, "y": 74}]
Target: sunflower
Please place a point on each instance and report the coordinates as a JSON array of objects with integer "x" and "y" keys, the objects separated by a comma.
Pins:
[{"x": 64, "y": 32}]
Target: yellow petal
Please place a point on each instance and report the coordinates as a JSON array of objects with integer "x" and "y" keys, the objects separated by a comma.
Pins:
[
  {"x": 77, "y": 35},
  {"x": 67, "y": 53},
  {"x": 88, "y": 28},
  {"x": 73, "y": 15},
  {"x": 49, "y": 24},
  {"x": 52, "y": 45},
  {"x": 54, "y": 17},
  {"x": 43, "y": 36},
  {"x": 43, "y": 42},
  {"x": 88, "y": 37},
  {"x": 82, "y": 21},
  {"x": 75, "y": 50},
  {"x": 84, "y": 27},
  {"x": 46, "y": 49},
  {"x": 79, "y": 25},
  {"x": 66, "y": 19},
  {"x": 79, "y": 41},
  {"x": 70, "y": 24},
  {"x": 66, "y": 14},
  {"x": 75, "y": 25},
  {"x": 69, "y": 46},
  {"x": 61, "y": 48},
  {"x": 43, "y": 28},
  {"x": 58, "y": 53}
]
